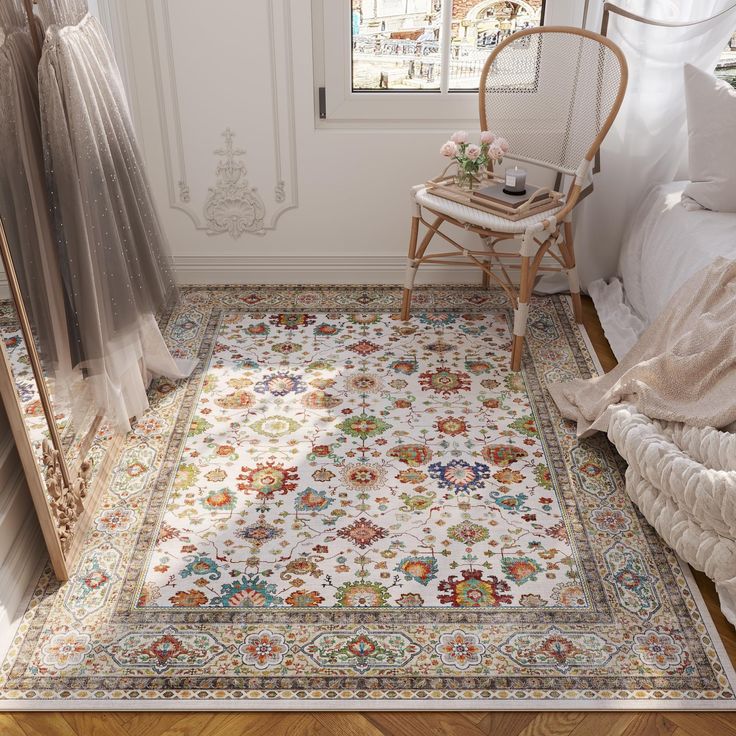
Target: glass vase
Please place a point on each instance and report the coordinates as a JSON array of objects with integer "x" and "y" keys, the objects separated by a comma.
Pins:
[{"x": 465, "y": 179}]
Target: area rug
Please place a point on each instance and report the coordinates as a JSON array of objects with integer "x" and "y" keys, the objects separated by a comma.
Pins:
[{"x": 343, "y": 510}]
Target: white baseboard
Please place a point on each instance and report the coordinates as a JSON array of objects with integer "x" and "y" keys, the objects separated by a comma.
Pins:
[
  {"x": 321, "y": 270},
  {"x": 312, "y": 270}
]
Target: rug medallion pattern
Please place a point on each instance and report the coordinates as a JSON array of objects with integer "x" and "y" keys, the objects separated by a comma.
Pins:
[{"x": 340, "y": 506}]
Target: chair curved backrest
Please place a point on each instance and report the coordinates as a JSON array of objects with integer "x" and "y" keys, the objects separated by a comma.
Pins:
[{"x": 553, "y": 93}]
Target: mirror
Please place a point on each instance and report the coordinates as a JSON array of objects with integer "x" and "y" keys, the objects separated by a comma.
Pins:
[
  {"x": 54, "y": 441},
  {"x": 87, "y": 263},
  {"x": 48, "y": 402}
]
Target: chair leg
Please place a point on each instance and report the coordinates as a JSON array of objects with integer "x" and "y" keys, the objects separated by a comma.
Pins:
[
  {"x": 516, "y": 353},
  {"x": 521, "y": 313},
  {"x": 486, "y": 278},
  {"x": 411, "y": 270},
  {"x": 572, "y": 274}
]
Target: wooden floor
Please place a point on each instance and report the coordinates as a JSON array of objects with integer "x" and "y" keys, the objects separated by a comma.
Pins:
[{"x": 398, "y": 724}]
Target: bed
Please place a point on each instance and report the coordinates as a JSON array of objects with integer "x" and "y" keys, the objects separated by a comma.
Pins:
[
  {"x": 665, "y": 245},
  {"x": 682, "y": 479}
]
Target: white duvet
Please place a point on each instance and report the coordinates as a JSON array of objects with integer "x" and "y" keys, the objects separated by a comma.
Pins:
[
  {"x": 665, "y": 245},
  {"x": 682, "y": 479}
]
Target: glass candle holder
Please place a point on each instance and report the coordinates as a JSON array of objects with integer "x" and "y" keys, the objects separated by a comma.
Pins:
[{"x": 515, "y": 181}]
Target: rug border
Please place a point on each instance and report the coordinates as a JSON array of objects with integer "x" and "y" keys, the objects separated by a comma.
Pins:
[
  {"x": 729, "y": 669},
  {"x": 354, "y": 705}
]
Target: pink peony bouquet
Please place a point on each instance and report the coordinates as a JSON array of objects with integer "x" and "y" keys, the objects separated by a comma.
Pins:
[{"x": 472, "y": 158}]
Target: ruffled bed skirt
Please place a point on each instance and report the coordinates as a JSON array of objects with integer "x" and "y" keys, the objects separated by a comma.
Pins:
[{"x": 682, "y": 480}]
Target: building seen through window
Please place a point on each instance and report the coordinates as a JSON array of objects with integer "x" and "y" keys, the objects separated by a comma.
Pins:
[{"x": 397, "y": 43}]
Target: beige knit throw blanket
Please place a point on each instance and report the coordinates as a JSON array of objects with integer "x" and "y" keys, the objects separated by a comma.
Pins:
[{"x": 683, "y": 369}]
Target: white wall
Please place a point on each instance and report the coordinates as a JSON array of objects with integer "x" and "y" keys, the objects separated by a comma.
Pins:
[{"x": 196, "y": 69}]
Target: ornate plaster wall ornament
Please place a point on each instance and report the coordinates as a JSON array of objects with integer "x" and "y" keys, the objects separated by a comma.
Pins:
[
  {"x": 184, "y": 193},
  {"x": 280, "y": 191},
  {"x": 233, "y": 206}
]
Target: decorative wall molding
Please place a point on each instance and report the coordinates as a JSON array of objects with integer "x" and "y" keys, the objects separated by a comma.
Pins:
[
  {"x": 282, "y": 89},
  {"x": 184, "y": 193},
  {"x": 233, "y": 205},
  {"x": 169, "y": 95}
]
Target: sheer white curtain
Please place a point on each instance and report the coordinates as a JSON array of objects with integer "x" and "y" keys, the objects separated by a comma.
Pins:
[
  {"x": 648, "y": 143},
  {"x": 115, "y": 260}
]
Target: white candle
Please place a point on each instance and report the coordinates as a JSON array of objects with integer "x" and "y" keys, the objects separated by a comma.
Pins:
[{"x": 515, "y": 181}]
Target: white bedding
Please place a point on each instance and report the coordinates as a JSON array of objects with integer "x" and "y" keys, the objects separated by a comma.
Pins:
[
  {"x": 665, "y": 245},
  {"x": 682, "y": 479}
]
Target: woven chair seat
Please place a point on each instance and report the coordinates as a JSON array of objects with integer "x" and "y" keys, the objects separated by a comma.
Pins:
[{"x": 466, "y": 214}]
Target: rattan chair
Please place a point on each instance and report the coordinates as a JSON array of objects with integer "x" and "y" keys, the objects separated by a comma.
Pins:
[{"x": 553, "y": 93}]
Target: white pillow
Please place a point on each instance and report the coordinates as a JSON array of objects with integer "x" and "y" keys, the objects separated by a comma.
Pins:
[{"x": 711, "y": 121}]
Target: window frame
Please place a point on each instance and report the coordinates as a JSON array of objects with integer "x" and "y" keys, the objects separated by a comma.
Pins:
[{"x": 332, "y": 31}]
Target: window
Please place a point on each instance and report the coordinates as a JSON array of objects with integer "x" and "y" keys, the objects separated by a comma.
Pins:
[
  {"x": 413, "y": 62},
  {"x": 399, "y": 44},
  {"x": 726, "y": 67}
]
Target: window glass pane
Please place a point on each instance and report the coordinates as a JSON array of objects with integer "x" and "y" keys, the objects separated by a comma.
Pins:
[
  {"x": 726, "y": 67},
  {"x": 396, "y": 44},
  {"x": 478, "y": 27}
]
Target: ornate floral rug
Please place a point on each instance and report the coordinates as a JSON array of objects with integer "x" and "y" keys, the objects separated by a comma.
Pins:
[{"x": 342, "y": 510}]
